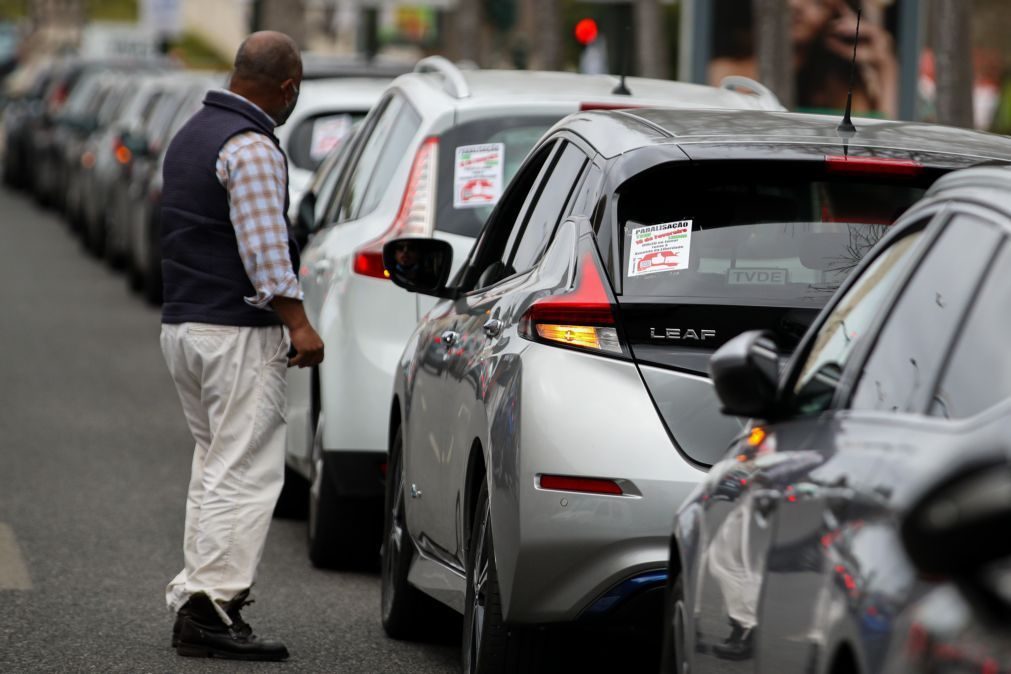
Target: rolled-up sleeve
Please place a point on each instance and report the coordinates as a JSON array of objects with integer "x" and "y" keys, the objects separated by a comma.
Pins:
[{"x": 253, "y": 171}]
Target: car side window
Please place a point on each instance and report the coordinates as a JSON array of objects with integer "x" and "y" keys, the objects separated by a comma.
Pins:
[
  {"x": 326, "y": 183},
  {"x": 977, "y": 375},
  {"x": 585, "y": 199},
  {"x": 394, "y": 152},
  {"x": 847, "y": 324},
  {"x": 352, "y": 199},
  {"x": 550, "y": 198},
  {"x": 487, "y": 264},
  {"x": 911, "y": 345}
]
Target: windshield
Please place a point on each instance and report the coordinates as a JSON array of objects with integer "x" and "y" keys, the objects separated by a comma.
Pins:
[
  {"x": 476, "y": 161},
  {"x": 782, "y": 233}
]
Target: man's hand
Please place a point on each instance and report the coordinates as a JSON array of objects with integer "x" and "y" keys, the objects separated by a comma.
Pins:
[{"x": 307, "y": 344}]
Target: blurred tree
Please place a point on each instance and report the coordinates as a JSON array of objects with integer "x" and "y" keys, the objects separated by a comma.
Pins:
[
  {"x": 549, "y": 35},
  {"x": 774, "y": 47},
  {"x": 286, "y": 16},
  {"x": 951, "y": 39},
  {"x": 653, "y": 53},
  {"x": 467, "y": 39}
]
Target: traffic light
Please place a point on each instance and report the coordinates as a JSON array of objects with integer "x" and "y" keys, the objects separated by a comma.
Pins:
[{"x": 586, "y": 31}]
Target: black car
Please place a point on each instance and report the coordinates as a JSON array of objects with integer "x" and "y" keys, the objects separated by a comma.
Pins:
[{"x": 904, "y": 376}]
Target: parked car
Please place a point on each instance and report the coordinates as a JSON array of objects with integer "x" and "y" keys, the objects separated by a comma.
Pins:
[
  {"x": 105, "y": 234},
  {"x": 182, "y": 95},
  {"x": 801, "y": 567},
  {"x": 25, "y": 92},
  {"x": 431, "y": 160},
  {"x": 553, "y": 410},
  {"x": 44, "y": 141},
  {"x": 956, "y": 530},
  {"x": 322, "y": 118}
]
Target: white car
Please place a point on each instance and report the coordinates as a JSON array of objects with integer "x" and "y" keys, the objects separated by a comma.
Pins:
[
  {"x": 431, "y": 159},
  {"x": 321, "y": 121}
]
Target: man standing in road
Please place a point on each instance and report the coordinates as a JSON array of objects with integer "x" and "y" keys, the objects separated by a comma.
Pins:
[{"x": 232, "y": 308}]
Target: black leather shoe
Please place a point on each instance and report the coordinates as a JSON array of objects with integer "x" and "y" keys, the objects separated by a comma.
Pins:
[
  {"x": 203, "y": 634},
  {"x": 178, "y": 624}
]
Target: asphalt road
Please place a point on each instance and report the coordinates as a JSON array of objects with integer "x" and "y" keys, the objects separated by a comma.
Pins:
[{"x": 94, "y": 461}]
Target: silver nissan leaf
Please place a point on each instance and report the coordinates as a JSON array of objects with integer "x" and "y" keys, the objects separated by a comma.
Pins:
[{"x": 553, "y": 409}]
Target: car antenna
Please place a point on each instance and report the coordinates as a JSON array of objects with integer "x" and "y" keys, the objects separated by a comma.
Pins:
[
  {"x": 621, "y": 89},
  {"x": 846, "y": 125}
]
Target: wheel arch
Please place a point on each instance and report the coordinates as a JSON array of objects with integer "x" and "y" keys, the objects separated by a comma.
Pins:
[{"x": 476, "y": 473}]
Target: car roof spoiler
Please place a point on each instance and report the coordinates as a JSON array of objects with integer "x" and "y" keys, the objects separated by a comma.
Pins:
[{"x": 746, "y": 85}]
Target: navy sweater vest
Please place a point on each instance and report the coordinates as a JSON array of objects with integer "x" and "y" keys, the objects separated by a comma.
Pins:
[{"x": 204, "y": 280}]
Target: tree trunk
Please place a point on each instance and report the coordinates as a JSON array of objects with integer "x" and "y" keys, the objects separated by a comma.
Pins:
[
  {"x": 285, "y": 16},
  {"x": 652, "y": 50},
  {"x": 468, "y": 34},
  {"x": 548, "y": 35},
  {"x": 774, "y": 48},
  {"x": 950, "y": 35}
]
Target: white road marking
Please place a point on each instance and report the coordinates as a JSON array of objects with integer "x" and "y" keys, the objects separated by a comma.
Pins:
[{"x": 13, "y": 570}]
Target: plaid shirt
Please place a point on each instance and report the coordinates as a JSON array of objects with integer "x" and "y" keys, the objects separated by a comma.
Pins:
[{"x": 252, "y": 169}]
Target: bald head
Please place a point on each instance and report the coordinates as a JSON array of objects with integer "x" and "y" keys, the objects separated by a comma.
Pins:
[
  {"x": 268, "y": 72},
  {"x": 269, "y": 56}
]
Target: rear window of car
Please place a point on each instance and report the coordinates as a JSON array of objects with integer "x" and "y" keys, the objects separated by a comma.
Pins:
[
  {"x": 316, "y": 137},
  {"x": 782, "y": 233},
  {"x": 476, "y": 161}
]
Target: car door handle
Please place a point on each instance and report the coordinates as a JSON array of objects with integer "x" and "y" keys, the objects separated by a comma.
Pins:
[
  {"x": 449, "y": 338},
  {"x": 493, "y": 328}
]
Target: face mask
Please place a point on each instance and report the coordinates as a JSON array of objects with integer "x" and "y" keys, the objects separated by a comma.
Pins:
[{"x": 285, "y": 113}]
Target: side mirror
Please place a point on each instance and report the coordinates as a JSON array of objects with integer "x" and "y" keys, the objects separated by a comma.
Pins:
[
  {"x": 419, "y": 265},
  {"x": 745, "y": 373},
  {"x": 960, "y": 524},
  {"x": 305, "y": 219}
]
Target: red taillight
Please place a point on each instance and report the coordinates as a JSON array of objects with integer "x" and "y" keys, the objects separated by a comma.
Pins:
[
  {"x": 873, "y": 165},
  {"x": 588, "y": 485},
  {"x": 415, "y": 217},
  {"x": 582, "y": 318},
  {"x": 121, "y": 151},
  {"x": 369, "y": 262}
]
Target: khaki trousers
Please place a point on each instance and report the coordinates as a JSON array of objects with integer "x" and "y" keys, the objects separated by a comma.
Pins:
[{"x": 231, "y": 382}]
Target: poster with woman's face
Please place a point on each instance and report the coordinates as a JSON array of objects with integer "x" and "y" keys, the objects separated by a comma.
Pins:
[{"x": 824, "y": 34}]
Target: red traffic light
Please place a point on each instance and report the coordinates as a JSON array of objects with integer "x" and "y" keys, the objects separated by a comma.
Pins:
[{"x": 586, "y": 31}]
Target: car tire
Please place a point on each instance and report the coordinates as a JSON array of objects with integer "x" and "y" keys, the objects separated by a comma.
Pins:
[
  {"x": 490, "y": 646},
  {"x": 293, "y": 502},
  {"x": 404, "y": 607},
  {"x": 342, "y": 534},
  {"x": 675, "y": 633}
]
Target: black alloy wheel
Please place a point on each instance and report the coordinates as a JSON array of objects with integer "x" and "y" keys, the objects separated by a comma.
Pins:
[
  {"x": 675, "y": 634},
  {"x": 490, "y": 646},
  {"x": 403, "y": 606}
]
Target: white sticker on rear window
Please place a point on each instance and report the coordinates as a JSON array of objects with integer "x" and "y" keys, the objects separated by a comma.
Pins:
[
  {"x": 327, "y": 134},
  {"x": 477, "y": 177},
  {"x": 663, "y": 247}
]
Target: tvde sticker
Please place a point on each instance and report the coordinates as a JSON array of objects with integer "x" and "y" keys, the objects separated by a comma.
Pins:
[
  {"x": 754, "y": 276},
  {"x": 477, "y": 178},
  {"x": 663, "y": 247}
]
